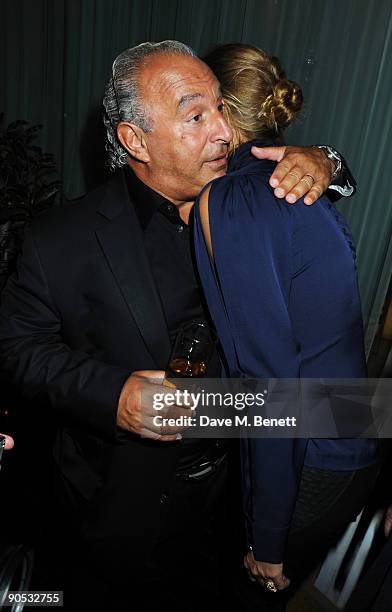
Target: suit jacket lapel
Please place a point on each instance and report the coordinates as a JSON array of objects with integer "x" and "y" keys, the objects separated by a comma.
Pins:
[{"x": 121, "y": 240}]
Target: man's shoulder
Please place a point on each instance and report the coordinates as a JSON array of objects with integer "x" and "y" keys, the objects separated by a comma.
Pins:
[{"x": 76, "y": 214}]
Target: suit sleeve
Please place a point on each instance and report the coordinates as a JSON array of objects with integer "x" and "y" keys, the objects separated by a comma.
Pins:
[
  {"x": 251, "y": 238},
  {"x": 343, "y": 185},
  {"x": 33, "y": 354}
]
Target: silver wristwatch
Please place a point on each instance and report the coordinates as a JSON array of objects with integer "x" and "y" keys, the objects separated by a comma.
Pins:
[{"x": 331, "y": 153}]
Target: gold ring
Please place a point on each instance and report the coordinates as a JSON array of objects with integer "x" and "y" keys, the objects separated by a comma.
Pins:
[
  {"x": 270, "y": 585},
  {"x": 294, "y": 174},
  {"x": 312, "y": 177},
  {"x": 305, "y": 180},
  {"x": 168, "y": 383}
]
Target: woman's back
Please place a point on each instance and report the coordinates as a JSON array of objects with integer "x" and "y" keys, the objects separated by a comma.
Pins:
[
  {"x": 283, "y": 291},
  {"x": 289, "y": 297},
  {"x": 283, "y": 295}
]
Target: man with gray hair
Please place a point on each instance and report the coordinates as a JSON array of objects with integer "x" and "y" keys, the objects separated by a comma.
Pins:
[{"x": 102, "y": 288}]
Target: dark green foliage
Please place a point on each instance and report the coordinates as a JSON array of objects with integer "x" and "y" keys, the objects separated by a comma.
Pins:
[{"x": 28, "y": 185}]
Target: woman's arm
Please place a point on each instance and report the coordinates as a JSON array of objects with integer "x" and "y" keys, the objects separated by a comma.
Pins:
[
  {"x": 205, "y": 221},
  {"x": 247, "y": 233}
]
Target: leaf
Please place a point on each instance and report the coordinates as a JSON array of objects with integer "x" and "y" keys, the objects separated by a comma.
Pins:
[{"x": 28, "y": 185}]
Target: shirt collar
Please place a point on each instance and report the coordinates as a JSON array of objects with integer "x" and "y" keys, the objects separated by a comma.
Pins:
[
  {"x": 242, "y": 155},
  {"x": 147, "y": 201}
]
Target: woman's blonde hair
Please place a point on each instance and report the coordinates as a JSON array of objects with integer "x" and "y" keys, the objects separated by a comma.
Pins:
[{"x": 259, "y": 100}]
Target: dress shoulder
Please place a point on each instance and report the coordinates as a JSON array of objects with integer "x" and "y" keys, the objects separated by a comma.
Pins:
[{"x": 247, "y": 199}]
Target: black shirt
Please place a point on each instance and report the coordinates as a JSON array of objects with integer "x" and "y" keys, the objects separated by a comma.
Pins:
[{"x": 169, "y": 246}]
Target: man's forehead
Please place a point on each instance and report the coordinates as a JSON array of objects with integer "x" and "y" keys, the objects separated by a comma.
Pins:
[{"x": 177, "y": 75}]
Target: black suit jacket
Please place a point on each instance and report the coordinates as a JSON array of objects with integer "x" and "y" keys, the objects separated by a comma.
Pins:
[{"x": 82, "y": 313}]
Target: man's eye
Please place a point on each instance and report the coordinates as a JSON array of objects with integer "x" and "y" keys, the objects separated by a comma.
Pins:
[{"x": 195, "y": 118}]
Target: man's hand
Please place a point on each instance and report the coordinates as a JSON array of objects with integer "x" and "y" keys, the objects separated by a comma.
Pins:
[
  {"x": 136, "y": 412},
  {"x": 261, "y": 571},
  {"x": 9, "y": 442},
  {"x": 300, "y": 171}
]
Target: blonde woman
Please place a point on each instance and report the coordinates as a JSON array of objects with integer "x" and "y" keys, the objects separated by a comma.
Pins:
[{"x": 281, "y": 285}]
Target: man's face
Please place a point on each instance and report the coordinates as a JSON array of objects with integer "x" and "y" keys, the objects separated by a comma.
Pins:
[{"x": 188, "y": 145}]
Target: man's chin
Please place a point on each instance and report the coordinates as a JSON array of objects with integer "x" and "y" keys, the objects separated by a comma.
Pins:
[
  {"x": 222, "y": 172},
  {"x": 218, "y": 167},
  {"x": 209, "y": 173},
  {"x": 213, "y": 171}
]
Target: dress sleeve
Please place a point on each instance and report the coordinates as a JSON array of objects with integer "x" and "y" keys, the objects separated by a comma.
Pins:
[{"x": 251, "y": 240}]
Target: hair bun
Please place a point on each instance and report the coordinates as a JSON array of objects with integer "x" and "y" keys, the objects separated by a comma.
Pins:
[
  {"x": 286, "y": 102},
  {"x": 259, "y": 100}
]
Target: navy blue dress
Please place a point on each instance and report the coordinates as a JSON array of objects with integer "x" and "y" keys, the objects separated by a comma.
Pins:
[{"x": 284, "y": 298}]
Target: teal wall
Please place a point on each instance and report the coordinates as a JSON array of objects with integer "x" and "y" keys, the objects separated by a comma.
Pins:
[{"x": 57, "y": 54}]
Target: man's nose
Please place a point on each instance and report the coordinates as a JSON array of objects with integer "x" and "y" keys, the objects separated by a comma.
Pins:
[{"x": 223, "y": 131}]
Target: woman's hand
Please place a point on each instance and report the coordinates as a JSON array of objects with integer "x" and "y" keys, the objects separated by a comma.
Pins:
[
  {"x": 300, "y": 171},
  {"x": 262, "y": 571},
  {"x": 9, "y": 442}
]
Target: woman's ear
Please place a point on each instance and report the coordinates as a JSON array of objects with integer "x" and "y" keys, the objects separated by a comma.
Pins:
[{"x": 133, "y": 140}]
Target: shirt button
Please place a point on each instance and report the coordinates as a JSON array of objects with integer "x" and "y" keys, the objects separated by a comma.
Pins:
[
  {"x": 169, "y": 208},
  {"x": 180, "y": 228}
]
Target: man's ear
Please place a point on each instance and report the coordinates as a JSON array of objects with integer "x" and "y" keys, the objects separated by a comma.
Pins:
[{"x": 133, "y": 140}]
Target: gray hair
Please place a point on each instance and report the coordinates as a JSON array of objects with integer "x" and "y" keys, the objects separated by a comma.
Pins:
[{"x": 122, "y": 100}]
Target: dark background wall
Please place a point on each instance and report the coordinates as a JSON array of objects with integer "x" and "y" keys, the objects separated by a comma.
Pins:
[{"x": 57, "y": 54}]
